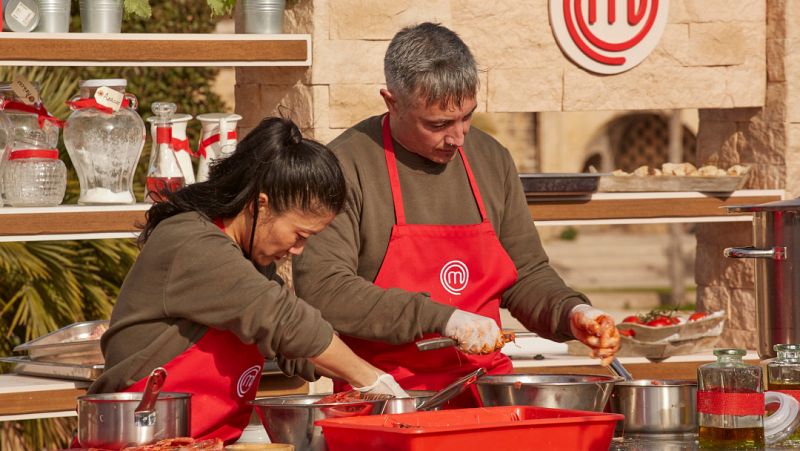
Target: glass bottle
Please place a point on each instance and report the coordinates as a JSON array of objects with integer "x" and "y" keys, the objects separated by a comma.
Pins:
[
  {"x": 164, "y": 175},
  {"x": 783, "y": 375},
  {"x": 6, "y": 140},
  {"x": 104, "y": 144},
  {"x": 34, "y": 177},
  {"x": 730, "y": 403}
]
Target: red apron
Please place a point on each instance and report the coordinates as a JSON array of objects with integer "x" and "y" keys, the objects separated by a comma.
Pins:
[
  {"x": 460, "y": 265},
  {"x": 222, "y": 374}
]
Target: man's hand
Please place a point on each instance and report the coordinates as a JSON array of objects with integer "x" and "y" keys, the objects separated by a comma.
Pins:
[
  {"x": 596, "y": 329},
  {"x": 475, "y": 334},
  {"x": 385, "y": 385}
]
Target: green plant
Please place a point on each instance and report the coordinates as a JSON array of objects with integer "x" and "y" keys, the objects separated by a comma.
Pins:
[
  {"x": 143, "y": 10},
  {"x": 568, "y": 234}
]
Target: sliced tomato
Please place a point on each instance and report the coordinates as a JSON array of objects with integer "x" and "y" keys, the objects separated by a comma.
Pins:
[
  {"x": 697, "y": 315},
  {"x": 632, "y": 319},
  {"x": 627, "y": 332},
  {"x": 660, "y": 322},
  {"x": 675, "y": 320}
]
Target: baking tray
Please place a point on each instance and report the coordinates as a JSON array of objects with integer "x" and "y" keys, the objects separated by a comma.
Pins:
[
  {"x": 70, "y": 344},
  {"x": 73, "y": 371},
  {"x": 560, "y": 184},
  {"x": 632, "y": 183}
]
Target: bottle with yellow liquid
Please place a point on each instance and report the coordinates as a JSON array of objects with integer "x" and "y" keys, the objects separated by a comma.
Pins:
[{"x": 730, "y": 403}]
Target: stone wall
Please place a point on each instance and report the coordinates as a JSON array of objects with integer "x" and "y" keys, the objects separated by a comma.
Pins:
[{"x": 768, "y": 140}]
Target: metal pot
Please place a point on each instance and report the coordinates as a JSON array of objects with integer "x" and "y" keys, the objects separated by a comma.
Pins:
[
  {"x": 290, "y": 419},
  {"x": 408, "y": 405},
  {"x": 563, "y": 391},
  {"x": 776, "y": 236},
  {"x": 663, "y": 407},
  {"x": 107, "y": 420}
]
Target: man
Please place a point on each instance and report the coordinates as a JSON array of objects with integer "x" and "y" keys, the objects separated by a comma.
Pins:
[{"x": 437, "y": 235}]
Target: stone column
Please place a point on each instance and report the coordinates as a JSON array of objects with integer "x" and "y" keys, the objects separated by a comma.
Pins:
[{"x": 766, "y": 139}]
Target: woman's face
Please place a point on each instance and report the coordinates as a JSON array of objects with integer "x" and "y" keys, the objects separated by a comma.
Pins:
[{"x": 279, "y": 235}]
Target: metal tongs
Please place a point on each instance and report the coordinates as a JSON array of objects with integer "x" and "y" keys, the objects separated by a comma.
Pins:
[
  {"x": 451, "y": 391},
  {"x": 144, "y": 416},
  {"x": 429, "y": 344}
]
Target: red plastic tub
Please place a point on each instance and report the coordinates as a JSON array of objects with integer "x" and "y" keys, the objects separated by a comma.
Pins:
[{"x": 488, "y": 428}]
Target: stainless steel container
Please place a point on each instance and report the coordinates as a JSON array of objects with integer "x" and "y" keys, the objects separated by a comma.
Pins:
[
  {"x": 408, "y": 405},
  {"x": 107, "y": 420},
  {"x": 263, "y": 16},
  {"x": 656, "y": 407},
  {"x": 776, "y": 249},
  {"x": 101, "y": 16},
  {"x": 53, "y": 16},
  {"x": 20, "y": 15},
  {"x": 562, "y": 391},
  {"x": 290, "y": 419}
]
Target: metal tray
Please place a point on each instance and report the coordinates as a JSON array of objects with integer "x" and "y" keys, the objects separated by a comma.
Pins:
[
  {"x": 73, "y": 371},
  {"x": 559, "y": 184},
  {"x": 70, "y": 344}
]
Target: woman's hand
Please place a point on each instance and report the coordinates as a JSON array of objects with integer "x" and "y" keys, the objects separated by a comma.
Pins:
[
  {"x": 596, "y": 329},
  {"x": 386, "y": 385}
]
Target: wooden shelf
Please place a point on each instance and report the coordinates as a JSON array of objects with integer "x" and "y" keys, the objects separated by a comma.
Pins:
[
  {"x": 68, "y": 222},
  {"x": 154, "y": 49},
  {"x": 652, "y": 207}
]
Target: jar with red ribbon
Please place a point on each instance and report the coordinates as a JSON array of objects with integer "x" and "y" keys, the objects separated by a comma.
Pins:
[
  {"x": 104, "y": 137},
  {"x": 32, "y": 124},
  {"x": 165, "y": 174},
  {"x": 730, "y": 403},
  {"x": 34, "y": 177}
]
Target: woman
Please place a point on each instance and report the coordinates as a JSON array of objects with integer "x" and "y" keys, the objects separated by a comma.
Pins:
[{"x": 203, "y": 300}]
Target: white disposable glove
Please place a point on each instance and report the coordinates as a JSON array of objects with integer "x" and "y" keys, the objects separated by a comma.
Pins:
[
  {"x": 475, "y": 334},
  {"x": 596, "y": 329},
  {"x": 384, "y": 385}
]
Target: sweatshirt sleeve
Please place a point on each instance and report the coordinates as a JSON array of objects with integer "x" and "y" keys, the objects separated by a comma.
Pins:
[
  {"x": 326, "y": 275},
  {"x": 233, "y": 295},
  {"x": 539, "y": 300}
]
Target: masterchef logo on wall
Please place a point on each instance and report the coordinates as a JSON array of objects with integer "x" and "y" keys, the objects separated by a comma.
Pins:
[
  {"x": 454, "y": 277},
  {"x": 608, "y": 36}
]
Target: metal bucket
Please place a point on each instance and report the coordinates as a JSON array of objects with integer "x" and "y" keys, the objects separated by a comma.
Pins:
[
  {"x": 776, "y": 249},
  {"x": 561, "y": 391},
  {"x": 656, "y": 407},
  {"x": 107, "y": 420}
]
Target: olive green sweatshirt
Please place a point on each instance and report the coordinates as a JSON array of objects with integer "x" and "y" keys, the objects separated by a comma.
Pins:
[
  {"x": 337, "y": 268},
  {"x": 191, "y": 276}
]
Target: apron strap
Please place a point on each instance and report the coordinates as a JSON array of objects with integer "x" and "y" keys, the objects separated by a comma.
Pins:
[{"x": 394, "y": 176}]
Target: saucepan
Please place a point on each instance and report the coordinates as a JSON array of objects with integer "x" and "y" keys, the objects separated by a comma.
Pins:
[
  {"x": 430, "y": 400},
  {"x": 117, "y": 420}
]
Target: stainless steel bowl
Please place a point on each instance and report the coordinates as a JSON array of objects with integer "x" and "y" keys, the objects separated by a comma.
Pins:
[
  {"x": 408, "y": 405},
  {"x": 656, "y": 406},
  {"x": 562, "y": 391},
  {"x": 106, "y": 420},
  {"x": 290, "y": 419}
]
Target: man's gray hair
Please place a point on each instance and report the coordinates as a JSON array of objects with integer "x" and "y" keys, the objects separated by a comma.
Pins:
[{"x": 431, "y": 62}]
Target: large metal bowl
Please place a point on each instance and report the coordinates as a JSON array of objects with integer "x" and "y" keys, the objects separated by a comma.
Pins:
[
  {"x": 663, "y": 407},
  {"x": 290, "y": 419},
  {"x": 562, "y": 391},
  {"x": 408, "y": 405}
]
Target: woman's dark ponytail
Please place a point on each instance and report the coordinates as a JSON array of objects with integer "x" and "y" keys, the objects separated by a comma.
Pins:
[{"x": 274, "y": 158}]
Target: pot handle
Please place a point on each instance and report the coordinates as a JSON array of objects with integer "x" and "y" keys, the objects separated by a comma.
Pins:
[{"x": 775, "y": 253}]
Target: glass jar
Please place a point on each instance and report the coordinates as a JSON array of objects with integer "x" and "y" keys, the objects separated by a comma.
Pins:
[
  {"x": 6, "y": 139},
  {"x": 32, "y": 124},
  {"x": 34, "y": 178},
  {"x": 783, "y": 376},
  {"x": 103, "y": 144},
  {"x": 730, "y": 403},
  {"x": 165, "y": 174}
]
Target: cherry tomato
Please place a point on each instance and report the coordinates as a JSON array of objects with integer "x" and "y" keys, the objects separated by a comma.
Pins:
[
  {"x": 632, "y": 319},
  {"x": 675, "y": 320},
  {"x": 697, "y": 315},
  {"x": 659, "y": 322},
  {"x": 627, "y": 332}
]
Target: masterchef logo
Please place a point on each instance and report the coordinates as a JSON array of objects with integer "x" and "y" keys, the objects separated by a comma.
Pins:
[
  {"x": 247, "y": 379},
  {"x": 608, "y": 36},
  {"x": 454, "y": 277}
]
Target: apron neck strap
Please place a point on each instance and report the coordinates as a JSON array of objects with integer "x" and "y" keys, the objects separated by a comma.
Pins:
[{"x": 394, "y": 177}]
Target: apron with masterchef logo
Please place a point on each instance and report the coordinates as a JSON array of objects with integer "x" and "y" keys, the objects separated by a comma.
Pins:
[
  {"x": 222, "y": 374},
  {"x": 460, "y": 265}
]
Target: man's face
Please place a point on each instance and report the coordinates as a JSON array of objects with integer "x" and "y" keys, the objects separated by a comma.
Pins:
[{"x": 430, "y": 131}]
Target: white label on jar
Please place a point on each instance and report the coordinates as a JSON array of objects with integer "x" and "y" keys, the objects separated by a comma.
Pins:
[
  {"x": 23, "y": 14},
  {"x": 109, "y": 98},
  {"x": 25, "y": 90}
]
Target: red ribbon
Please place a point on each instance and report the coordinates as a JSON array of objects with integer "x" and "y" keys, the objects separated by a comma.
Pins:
[
  {"x": 24, "y": 154},
  {"x": 726, "y": 403},
  {"x": 163, "y": 135},
  {"x": 181, "y": 144},
  {"x": 793, "y": 393},
  {"x": 89, "y": 102},
  {"x": 39, "y": 110},
  {"x": 201, "y": 149}
]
